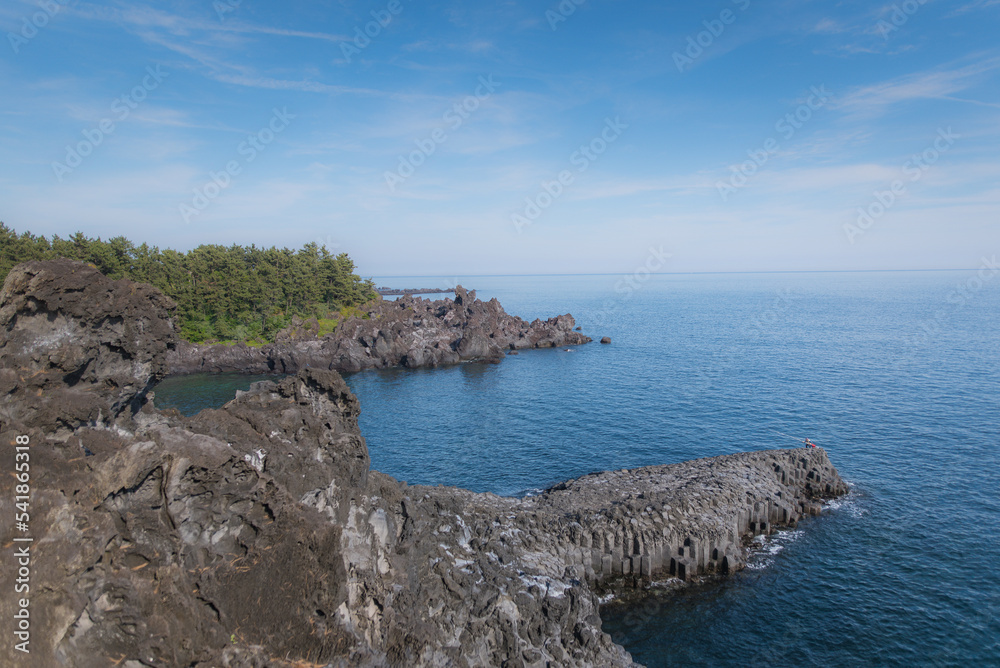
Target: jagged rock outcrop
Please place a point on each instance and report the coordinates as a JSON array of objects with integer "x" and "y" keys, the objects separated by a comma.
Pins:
[
  {"x": 410, "y": 332},
  {"x": 78, "y": 347},
  {"x": 256, "y": 535}
]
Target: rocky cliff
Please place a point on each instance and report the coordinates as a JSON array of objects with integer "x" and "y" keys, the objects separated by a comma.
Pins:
[
  {"x": 77, "y": 347},
  {"x": 256, "y": 535},
  {"x": 410, "y": 332}
]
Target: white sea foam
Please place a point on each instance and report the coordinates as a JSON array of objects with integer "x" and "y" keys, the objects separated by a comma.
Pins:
[
  {"x": 669, "y": 583},
  {"x": 850, "y": 503},
  {"x": 767, "y": 547}
]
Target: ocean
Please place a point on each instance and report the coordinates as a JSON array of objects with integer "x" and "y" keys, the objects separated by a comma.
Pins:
[{"x": 895, "y": 374}]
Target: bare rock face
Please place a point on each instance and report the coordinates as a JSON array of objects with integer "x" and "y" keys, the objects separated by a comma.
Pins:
[
  {"x": 298, "y": 330},
  {"x": 256, "y": 535},
  {"x": 410, "y": 332},
  {"x": 168, "y": 547},
  {"x": 78, "y": 346}
]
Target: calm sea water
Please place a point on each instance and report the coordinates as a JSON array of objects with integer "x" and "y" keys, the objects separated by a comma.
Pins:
[
  {"x": 190, "y": 394},
  {"x": 897, "y": 375}
]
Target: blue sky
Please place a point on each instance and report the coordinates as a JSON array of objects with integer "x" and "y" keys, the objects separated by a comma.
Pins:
[{"x": 512, "y": 137}]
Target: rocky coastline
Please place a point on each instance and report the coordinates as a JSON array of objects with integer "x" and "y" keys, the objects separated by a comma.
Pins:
[
  {"x": 257, "y": 535},
  {"x": 392, "y": 292},
  {"x": 410, "y": 332}
]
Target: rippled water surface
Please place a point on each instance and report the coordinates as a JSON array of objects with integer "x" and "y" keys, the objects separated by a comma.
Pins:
[{"x": 896, "y": 374}]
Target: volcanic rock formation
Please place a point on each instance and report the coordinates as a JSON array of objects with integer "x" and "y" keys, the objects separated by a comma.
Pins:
[
  {"x": 410, "y": 332},
  {"x": 256, "y": 535}
]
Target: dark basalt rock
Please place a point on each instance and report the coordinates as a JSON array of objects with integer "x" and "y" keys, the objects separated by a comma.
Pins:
[
  {"x": 606, "y": 340},
  {"x": 77, "y": 346},
  {"x": 409, "y": 332},
  {"x": 256, "y": 535}
]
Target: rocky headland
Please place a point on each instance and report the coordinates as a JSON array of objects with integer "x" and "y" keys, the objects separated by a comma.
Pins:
[
  {"x": 410, "y": 332},
  {"x": 257, "y": 535}
]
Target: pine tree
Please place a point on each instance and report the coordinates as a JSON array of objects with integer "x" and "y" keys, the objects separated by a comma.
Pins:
[{"x": 238, "y": 293}]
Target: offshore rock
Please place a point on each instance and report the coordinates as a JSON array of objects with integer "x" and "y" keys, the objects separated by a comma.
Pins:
[
  {"x": 409, "y": 332},
  {"x": 256, "y": 535}
]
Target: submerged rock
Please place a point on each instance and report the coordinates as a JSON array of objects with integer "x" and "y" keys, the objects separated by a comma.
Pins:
[{"x": 256, "y": 535}]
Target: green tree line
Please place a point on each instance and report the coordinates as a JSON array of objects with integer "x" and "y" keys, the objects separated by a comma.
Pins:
[{"x": 224, "y": 293}]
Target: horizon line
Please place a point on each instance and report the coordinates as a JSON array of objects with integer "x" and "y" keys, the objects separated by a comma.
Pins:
[{"x": 687, "y": 273}]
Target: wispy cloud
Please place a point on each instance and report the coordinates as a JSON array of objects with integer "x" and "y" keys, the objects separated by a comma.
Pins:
[
  {"x": 974, "y": 6},
  {"x": 221, "y": 69},
  {"x": 144, "y": 17},
  {"x": 828, "y": 26},
  {"x": 201, "y": 42},
  {"x": 305, "y": 86},
  {"x": 940, "y": 83}
]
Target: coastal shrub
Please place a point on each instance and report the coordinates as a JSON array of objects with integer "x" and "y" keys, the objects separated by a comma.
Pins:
[
  {"x": 350, "y": 311},
  {"x": 327, "y": 325}
]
